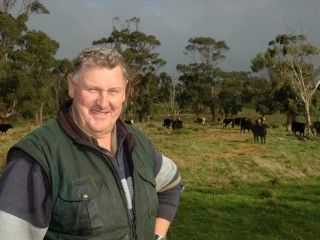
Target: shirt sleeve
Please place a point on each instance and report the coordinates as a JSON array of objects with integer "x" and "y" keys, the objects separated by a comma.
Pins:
[
  {"x": 25, "y": 199},
  {"x": 168, "y": 185}
]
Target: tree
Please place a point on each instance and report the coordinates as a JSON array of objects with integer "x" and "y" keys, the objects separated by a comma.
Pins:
[
  {"x": 256, "y": 91},
  {"x": 193, "y": 79},
  {"x": 200, "y": 77},
  {"x": 233, "y": 93},
  {"x": 59, "y": 85},
  {"x": 280, "y": 96},
  {"x": 297, "y": 66},
  {"x": 165, "y": 85},
  {"x": 12, "y": 30},
  {"x": 290, "y": 59},
  {"x": 35, "y": 61},
  {"x": 166, "y": 93},
  {"x": 137, "y": 49}
]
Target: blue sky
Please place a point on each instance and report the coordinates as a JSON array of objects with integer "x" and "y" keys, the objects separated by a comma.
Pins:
[{"x": 245, "y": 25}]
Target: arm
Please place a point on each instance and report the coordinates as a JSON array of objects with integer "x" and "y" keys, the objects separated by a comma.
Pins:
[
  {"x": 169, "y": 188},
  {"x": 25, "y": 201},
  {"x": 168, "y": 206},
  {"x": 162, "y": 226}
]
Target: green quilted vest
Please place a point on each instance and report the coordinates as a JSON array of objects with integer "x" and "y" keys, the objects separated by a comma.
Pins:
[{"x": 88, "y": 201}]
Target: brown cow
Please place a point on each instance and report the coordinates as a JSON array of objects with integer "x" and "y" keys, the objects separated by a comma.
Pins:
[
  {"x": 200, "y": 120},
  {"x": 228, "y": 121}
]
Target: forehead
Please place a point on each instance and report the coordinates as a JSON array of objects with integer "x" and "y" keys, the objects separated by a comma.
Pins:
[{"x": 102, "y": 75}]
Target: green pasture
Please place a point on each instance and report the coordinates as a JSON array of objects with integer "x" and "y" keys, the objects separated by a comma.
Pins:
[{"x": 236, "y": 188}]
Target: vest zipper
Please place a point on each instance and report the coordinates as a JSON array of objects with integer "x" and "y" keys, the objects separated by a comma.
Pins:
[{"x": 107, "y": 156}]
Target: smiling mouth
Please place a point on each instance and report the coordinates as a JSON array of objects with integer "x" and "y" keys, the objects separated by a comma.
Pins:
[{"x": 99, "y": 113}]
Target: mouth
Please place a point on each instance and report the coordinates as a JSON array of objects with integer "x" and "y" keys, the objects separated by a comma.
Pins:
[{"x": 99, "y": 113}]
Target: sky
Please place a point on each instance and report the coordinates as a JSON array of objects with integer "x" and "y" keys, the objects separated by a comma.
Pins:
[{"x": 245, "y": 25}]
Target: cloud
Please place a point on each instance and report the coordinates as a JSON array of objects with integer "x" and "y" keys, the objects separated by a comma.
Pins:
[{"x": 246, "y": 26}]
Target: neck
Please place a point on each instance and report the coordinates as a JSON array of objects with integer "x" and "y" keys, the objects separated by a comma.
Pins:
[{"x": 105, "y": 143}]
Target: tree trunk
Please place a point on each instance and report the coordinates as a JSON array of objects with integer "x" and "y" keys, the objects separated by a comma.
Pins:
[
  {"x": 308, "y": 118},
  {"x": 290, "y": 117},
  {"x": 213, "y": 113},
  {"x": 38, "y": 116},
  {"x": 222, "y": 113}
]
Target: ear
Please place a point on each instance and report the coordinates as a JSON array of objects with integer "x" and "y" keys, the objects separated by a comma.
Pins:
[
  {"x": 125, "y": 91},
  {"x": 124, "y": 96},
  {"x": 71, "y": 86}
]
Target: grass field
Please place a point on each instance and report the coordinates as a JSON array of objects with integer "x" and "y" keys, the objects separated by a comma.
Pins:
[{"x": 236, "y": 188}]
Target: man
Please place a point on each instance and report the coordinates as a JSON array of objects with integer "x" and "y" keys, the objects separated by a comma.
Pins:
[{"x": 86, "y": 174}]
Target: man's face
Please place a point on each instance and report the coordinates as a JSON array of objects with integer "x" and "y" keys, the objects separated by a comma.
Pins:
[{"x": 97, "y": 99}]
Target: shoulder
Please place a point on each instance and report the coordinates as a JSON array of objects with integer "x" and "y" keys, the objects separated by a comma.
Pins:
[
  {"x": 133, "y": 130},
  {"x": 47, "y": 130}
]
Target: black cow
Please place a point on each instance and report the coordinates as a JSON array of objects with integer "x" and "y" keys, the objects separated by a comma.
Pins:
[
  {"x": 4, "y": 127},
  {"x": 259, "y": 130},
  {"x": 228, "y": 121},
  {"x": 237, "y": 120},
  {"x": 298, "y": 127},
  {"x": 167, "y": 122},
  {"x": 176, "y": 124},
  {"x": 316, "y": 126},
  {"x": 246, "y": 124}
]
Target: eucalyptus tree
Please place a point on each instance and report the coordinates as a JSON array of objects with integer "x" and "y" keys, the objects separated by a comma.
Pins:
[
  {"x": 34, "y": 62},
  {"x": 165, "y": 85},
  {"x": 61, "y": 69},
  {"x": 236, "y": 90},
  {"x": 280, "y": 95},
  {"x": 201, "y": 77},
  {"x": 144, "y": 63},
  {"x": 13, "y": 18},
  {"x": 166, "y": 93},
  {"x": 291, "y": 61},
  {"x": 256, "y": 91},
  {"x": 193, "y": 77},
  {"x": 13, "y": 26}
]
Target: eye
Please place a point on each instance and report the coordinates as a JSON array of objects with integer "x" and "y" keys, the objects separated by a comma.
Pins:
[
  {"x": 93, "y": 90},
  {"x": 114, "y": 91}
]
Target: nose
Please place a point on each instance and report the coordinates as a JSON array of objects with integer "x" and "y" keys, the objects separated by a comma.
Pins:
[{"x": 102, "y": 100}]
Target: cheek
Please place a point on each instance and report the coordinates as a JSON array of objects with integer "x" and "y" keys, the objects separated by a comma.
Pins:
[
  {"x": 85, "y": 98},
  {"x": 114, "y": 104},
  {"x": 81, "y": 104},
  {"x": 118, "y": 101}
]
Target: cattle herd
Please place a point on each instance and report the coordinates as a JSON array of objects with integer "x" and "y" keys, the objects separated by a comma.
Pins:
[{"x": 257, "y": 127}]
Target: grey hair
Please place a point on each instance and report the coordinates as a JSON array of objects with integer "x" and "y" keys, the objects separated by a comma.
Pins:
[{"x": 98, "y": 57}]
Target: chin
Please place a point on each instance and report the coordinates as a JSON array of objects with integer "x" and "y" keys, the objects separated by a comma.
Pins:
[{"x": 101, "y": 127}]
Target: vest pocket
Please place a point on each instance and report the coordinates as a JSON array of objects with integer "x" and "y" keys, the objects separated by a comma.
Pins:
[
  {"x": 150, "y": 198},
  {"x": 76, "y": 209}
]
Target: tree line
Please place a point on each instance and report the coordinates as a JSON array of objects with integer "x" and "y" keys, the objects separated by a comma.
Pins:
[{"x": 33, "y": 85}]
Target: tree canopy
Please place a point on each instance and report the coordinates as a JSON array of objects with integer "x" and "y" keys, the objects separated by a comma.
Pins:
[
  {"x": 291, "y": 63},
  {"x": 32, "y": 80},
  {"x": 27, "y": 62}
]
